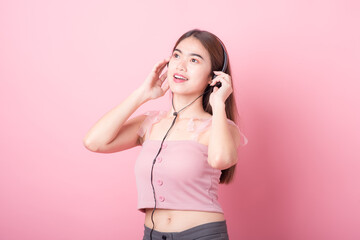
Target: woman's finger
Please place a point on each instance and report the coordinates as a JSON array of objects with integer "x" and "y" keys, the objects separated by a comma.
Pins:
[
  {"x": 165, "y": 86},
  {"x": 215, "y": 80},
  {"x": 163, "y": 76},
  {"x": 226, "y": 78},
  {"x": 219, "y": 73},
  {"x": 164, "y": 63},
  {"x": 222, "y": 74},
  {"x": 160, "y": 65},
  {"x": 223, "y": 81}
]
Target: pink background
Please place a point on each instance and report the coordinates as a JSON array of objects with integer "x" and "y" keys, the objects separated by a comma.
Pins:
[{"x": 63, "y": 64}]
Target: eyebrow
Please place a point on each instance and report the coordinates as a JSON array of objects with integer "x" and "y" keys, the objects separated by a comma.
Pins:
[{"x": 191, "y": 54}]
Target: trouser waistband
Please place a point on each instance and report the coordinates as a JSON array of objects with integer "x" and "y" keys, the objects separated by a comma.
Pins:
[{"x": 217, "y": 229}]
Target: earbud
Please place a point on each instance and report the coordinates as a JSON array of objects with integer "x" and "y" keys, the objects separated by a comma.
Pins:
[{"x": 218, "y": 84}]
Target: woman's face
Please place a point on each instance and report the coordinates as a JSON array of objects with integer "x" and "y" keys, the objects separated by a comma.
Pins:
[{"x": 190, "y": 60}]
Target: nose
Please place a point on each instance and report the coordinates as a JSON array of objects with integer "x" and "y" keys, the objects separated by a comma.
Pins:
[{"x": 181, "y": 65}]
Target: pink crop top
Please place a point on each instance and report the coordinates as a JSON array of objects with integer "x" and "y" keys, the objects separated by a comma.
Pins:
[{"x": 182, "y": 177}]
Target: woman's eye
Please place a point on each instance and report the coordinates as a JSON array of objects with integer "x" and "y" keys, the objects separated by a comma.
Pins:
[
  {"x": 194, "y": 59},
  {"x": 175, "y": 55}
]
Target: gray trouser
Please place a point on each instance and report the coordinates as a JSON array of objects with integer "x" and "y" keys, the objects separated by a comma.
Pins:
[{"x": 207, "y": 231}]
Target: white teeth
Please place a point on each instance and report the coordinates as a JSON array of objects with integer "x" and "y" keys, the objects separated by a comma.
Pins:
[{"x": 177, "y": 76}]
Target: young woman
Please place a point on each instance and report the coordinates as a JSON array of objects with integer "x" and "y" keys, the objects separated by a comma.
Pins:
[{"x": 186, "y": 150}]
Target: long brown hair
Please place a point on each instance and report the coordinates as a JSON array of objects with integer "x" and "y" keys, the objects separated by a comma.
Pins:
[{"x": 213, "y": 46}]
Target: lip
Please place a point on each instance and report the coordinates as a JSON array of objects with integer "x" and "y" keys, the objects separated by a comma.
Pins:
[
  {"x": 179, "y": 80},
  {"x": 179, "y": 75}
]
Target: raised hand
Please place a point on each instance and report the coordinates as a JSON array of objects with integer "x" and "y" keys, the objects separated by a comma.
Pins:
[
  {"x": 222, "y": 93},
  {"x": 155, "y": 85}
]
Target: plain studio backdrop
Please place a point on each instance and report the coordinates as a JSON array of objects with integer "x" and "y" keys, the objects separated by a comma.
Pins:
[{"x": 63, "y": 64}]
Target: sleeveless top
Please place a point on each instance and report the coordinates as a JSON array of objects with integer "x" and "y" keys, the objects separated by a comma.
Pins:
[{"x": 182, "y": 177}]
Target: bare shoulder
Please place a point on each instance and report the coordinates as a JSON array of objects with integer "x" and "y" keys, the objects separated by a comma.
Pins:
[
  {"x": 234, "y": 130},
  {"x": 136, "y": 123}
]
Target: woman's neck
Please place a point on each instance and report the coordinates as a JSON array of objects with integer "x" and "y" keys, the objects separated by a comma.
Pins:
[{"x": 188, "y": 108}]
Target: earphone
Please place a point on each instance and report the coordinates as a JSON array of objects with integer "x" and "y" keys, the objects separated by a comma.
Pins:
[
  {"x": 176, "y": 113},
  {"x": 224, "y": 65}
]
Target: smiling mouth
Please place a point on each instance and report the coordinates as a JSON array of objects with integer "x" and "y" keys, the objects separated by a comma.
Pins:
[{"x": 180, "y": 78}]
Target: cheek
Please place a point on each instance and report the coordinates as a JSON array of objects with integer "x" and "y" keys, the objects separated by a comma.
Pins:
[
  {"x": 202, "y": 73},
  {"x": 169, "y": 75},
  {"x": 172, "y": 62}
]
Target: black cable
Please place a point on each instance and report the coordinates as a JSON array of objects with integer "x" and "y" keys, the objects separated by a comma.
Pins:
[
  {"x": 152, "y": 168},
  {"x": 218, "y": 84}
]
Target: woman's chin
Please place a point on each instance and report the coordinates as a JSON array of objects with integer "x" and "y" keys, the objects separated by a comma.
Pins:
[{"x": 186, "y": 92}]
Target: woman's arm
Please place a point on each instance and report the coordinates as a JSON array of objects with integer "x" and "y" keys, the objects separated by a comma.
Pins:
[
  {"x": 114, "y": 132},
  {"x": 224, "y": 140},
  {"x": 101, "y": 136}
]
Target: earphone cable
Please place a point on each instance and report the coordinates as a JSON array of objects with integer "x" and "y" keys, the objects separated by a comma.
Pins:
[{"x": 152, "y": 167}]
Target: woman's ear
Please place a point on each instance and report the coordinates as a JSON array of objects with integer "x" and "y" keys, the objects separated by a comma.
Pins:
[{"x": 210, "y": 80}]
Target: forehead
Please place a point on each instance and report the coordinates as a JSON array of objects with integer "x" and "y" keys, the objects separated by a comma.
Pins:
[{"x": 192, "y": 45}]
